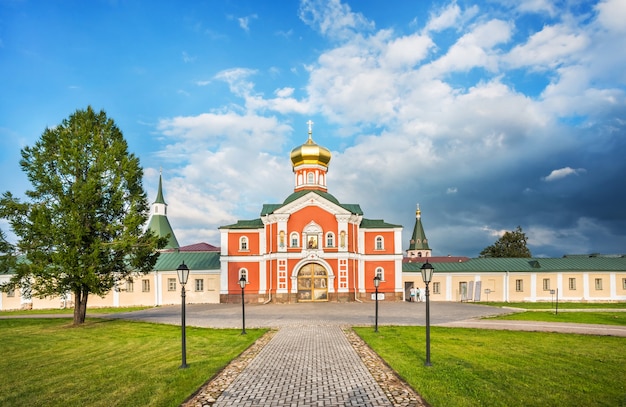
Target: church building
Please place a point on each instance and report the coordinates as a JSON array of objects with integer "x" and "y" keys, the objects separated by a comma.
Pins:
[{"x": 311, "y": 247}]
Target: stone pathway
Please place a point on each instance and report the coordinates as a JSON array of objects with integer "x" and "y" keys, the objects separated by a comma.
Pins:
[{"x": 307, "y": 366}]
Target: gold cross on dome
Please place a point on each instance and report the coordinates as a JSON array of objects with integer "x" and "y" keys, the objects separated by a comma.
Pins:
[{"x": 310, "y": 123}]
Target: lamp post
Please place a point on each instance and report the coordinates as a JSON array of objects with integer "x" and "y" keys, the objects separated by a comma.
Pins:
[
  {"x": 242, "y": 284},
  {"x": 427, "y": 275},
  {"x": 376, "y": 284},
  {"x": 183, "y": 275}
]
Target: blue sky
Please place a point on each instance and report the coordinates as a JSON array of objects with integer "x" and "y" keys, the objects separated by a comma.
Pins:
[{"x": 489, "y": 114}]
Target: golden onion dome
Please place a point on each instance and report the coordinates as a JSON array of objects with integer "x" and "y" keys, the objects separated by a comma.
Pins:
[{"x": 310, "y": 153}]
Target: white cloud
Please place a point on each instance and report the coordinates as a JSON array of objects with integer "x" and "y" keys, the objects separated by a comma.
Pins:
[
  {"x": 244, "y": 22},
  {"x": 333, "y": 18},
  {"x": 444, "y": 18},
  {"x": 612, "y": 15},
  {"x": 548, "y": 48},
  {"x": 562, "y": 173}
]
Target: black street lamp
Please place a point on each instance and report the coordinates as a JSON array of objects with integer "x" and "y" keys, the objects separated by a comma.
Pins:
[
  {"x": 427, "y": 276},
  {"x": 242, "y": 284},
  {"x": 183, "y": 275},
  {"x": 376, "y": 284}
]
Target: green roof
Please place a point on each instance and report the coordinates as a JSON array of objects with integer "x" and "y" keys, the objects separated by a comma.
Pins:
[
  {"x": 168, "y": 261},
  {"x": 377, "y": 224},
  {"x": 271, "y": 208},
  {"x": 479, "y": 265},
  {"x": 160, "y": 225},
  {"x": 245, "y": 224}
]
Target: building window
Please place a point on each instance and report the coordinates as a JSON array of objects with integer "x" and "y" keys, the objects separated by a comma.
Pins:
[
  {"x": 380, "y": 272},
  {"x": 243, "y": 243},
  {"x": 11, "y": 293},
  {"x": 598, "y": 283},
  {"x": 130, "y": 287},
  {"x": 624, "y": 283},
  {"x": 295, "y": 239},
  {"x": 330, "y": 239},
  {"x": 519, "y": 286},
  {"x": 311, "y": 178},
  {"x": 145, "y": 286},
  {"x": 243, "y": 273},
  {"x": 436, "y": 288},
  {"x": 572, "y": 283},
  {"x": 546, "y": 284},
  {"x": 171, "y": 284},
  {"x": 199, "y": 284},
  {"x": 380, "y": 243}
]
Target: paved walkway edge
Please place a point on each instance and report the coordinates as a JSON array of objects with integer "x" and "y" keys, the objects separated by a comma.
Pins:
[{"x": 399, "y": 393}]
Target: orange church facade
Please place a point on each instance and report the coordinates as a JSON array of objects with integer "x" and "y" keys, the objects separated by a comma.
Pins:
[{"x": 310, "y": 247}]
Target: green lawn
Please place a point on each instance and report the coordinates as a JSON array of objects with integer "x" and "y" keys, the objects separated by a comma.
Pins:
[
  {"x": 562, "y": 305},
  {"x": 48, "y": 362},
  {"x": 70, "y": 311},
  {"x": 606, "y": 318},
  {"x": 475, "y": 367}
]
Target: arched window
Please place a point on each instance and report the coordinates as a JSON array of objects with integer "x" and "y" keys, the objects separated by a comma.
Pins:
[
  {"x": 330, "y": 239},
  {"x": 243, "y": 273},
  {"x": 380, "y": 243},
  {"x": 311, "y": 178},
  {"x": 243, "y": 243},
  {"x": 294, "y": 239},
  {"x": 380, "y": 272}
]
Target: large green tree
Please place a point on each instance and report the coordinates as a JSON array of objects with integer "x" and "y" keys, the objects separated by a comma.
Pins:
[
  {"x": 511, "y": 244},
  {"x": 81, "y": 229}
]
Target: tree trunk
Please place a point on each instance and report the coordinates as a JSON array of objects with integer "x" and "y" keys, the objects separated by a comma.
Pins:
[{"x": 80, "y": 306}]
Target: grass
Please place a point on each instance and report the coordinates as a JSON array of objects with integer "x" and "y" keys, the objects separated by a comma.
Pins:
[
  {"x": 70, "y": 311},
  {"x": 475, "y": 367},
  {"x": 562, "y": 305},
  {"x": 109, "y": 362},
  {"x": 606, "y": 318}
]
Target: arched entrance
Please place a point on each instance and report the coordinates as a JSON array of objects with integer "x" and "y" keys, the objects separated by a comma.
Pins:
[{"x": 312, "y": 283}]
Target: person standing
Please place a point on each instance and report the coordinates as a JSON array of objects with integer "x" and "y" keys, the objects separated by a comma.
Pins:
[
  {"x": 413, "y": 293},
  {"x": 417, "y": 294}
]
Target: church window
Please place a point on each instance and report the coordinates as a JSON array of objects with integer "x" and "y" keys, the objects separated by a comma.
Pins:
[
  {"x": 330, "y": 239},
  {"x": 598, "y": 284},
  {"x": 419, "y": 254},
  {"x": 243, "y": 243},
  {"x": 380, "y": 243},
  {"x": 243, "y": 273},
  {"x": 519, "y": 285},
  {"x": 294, "y": 239},
  {"x": 199, "y": 284},
  {"x": 281, "y": 239},
  {"x": 171, "y": 284},
  {"x": 572, "y": 284},
  {"x": 311, "y": 178},
  {"x": 342, "y": 238},
  {"x": 380, "y": 272}
]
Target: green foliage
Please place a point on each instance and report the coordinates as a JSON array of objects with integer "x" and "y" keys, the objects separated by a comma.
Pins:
[
  {"x": 48, "y": 362},
  {"x": 481, "y": 367},
  {"x": 81, "y": 229},
  {"x": 511, "y": 244}
]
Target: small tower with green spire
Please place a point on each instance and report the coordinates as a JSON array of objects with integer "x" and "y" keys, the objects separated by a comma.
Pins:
[
  {"x": 418, "y": 246},
  {"x": 159, "y": 224}
]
